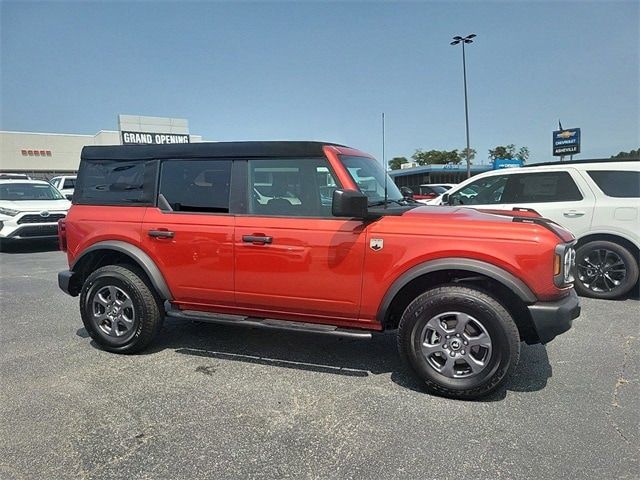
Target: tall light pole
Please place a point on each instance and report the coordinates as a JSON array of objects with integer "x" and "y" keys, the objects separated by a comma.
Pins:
[{"x": 462, "y": 40}]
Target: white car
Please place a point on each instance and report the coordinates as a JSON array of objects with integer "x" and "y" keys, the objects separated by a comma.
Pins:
[
  {"x": 66, "y": 184},
  {"x": 599, "y": 202},
  {"x": 30, "y": 209}
]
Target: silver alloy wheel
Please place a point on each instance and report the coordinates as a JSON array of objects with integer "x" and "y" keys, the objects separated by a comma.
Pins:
[
  {"x": 601, "y": 270},
  {"x": 113, "y": 313},
  {"x": 456, "y": 345}
]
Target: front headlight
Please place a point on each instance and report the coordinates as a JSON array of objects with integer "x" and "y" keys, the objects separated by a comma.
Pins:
[
  {"x": 9, "y": 211},
  {"x": 563, "y": 265},
  {"x": 569, "y": 264}
]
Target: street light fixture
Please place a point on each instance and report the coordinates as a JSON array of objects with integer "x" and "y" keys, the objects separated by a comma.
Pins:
[{"x": 462, "y": 40}]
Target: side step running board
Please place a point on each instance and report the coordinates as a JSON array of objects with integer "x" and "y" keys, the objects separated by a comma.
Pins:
[{"x": 264, "y": 323}]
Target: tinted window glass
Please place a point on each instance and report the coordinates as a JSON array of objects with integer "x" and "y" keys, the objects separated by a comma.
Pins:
[
  {"x": 541, "y": 187},
  {"x": 291, "y": 187},
  {"x": 69, "y": 183},
  {"x": 483, "y": 191},
  {"x": 621, "y": 184},
  {"x": 196, "y": 185},
  {"x": 370, "y": 177},
  {"x": 108, "y": 182}
]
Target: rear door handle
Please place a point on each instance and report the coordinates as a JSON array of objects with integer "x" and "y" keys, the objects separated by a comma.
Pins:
[
  {"x": 257, "y": 239},
  {"x": 161, "y": 234},
  {"x": 573, "y": 213}
]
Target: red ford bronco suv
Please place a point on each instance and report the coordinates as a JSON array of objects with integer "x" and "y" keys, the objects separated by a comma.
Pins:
[{"x": 310, "y": 236}]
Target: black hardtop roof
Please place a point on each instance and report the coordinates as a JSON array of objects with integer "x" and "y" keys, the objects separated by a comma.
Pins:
[{"x": 205, "y": 150}]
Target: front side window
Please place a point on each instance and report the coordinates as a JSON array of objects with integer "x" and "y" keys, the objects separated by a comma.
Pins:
[
  {"x": 541, "y": 188},
  {"x": 69, "y": 183},
  {"x": 369, "y": 176},
  {"x": 483, "y": 191},
  {"x": 299, "y": 187},
  {"x": 200, "y": 186},
  {"x": 619, "y": 184},
  {"x": 17, "y": 191}
]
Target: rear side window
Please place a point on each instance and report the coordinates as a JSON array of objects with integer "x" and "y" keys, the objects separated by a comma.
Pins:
[
  {"x": 617, "y": 183},
  {"x": 109, "y": 182},
  {"x": 540, "y": 188},
  {"x": 69, "y": 183},
  {"x": 196, "y": 185}
]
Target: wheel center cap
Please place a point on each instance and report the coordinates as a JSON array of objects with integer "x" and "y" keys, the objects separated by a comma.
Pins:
[{"x": 455, "y": 344}]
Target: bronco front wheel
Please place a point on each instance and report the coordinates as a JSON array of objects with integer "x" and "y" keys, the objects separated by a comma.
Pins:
[{"x": 460, "y": 341}]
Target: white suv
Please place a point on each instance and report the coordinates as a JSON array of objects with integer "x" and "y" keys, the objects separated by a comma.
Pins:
[
  {"x": 598, "y": 201},
  {"x": 30, "y": 209},
  {"x": 66, "y": 184}
]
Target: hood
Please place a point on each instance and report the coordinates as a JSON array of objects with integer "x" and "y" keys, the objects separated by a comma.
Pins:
[
  {"x": 471, "y": 215},
  {"x": 36, "y": 205}
]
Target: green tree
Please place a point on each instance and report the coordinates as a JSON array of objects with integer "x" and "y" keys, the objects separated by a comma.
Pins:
[
  {"x": 631, "y": 154},
  {"x": 509, "y": 152},
  {"x": 463, "y": 155},
  {"x": 432, "y": 157},
  {"x": 395, "y": 162},
  {"x": 523, "y": 154}
]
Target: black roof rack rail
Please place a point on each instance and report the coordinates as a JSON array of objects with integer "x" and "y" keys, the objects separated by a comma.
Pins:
[{"x": 577, "y": 162}]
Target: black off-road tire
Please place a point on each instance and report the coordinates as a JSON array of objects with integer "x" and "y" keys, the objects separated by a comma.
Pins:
[
  {"x": 505, "y": 340},
  {"x": 149, "y": 312},
  {"x": 630, "y": 264}
]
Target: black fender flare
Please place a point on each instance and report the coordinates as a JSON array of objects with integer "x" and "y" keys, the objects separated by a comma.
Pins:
[
  {"x": 139, "y": 256},
  {"x": 510, "y": 281}
]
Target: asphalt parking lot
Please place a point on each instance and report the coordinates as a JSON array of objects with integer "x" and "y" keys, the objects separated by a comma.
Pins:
[{"x": 223, "y": 402}]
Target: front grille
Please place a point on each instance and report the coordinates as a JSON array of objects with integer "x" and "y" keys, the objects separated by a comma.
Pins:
[
  {"x": 37, "y": 231},
  {"x": 37, "y": 218}
]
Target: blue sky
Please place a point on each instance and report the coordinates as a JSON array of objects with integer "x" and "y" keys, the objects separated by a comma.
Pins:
[{"x": 326, "y": 71}]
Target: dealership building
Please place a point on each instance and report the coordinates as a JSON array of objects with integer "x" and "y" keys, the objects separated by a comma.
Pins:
[{"x": 45, "y": 155}]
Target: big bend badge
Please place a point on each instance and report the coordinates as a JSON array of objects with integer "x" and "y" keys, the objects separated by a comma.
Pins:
[{"x": 376, "y": 244}]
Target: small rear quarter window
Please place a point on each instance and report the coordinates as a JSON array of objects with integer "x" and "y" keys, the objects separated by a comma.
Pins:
[{"x": 617, "y": 183}]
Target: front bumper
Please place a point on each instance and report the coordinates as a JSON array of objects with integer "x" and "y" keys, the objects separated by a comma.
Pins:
[
  {"x": 550, "y": 319},
  {"x": 29, "y": 232}
]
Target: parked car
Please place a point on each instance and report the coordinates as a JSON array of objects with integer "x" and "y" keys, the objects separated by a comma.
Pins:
[
  {"x": 430, "y": 191},
  {"x": 206, "y": 247},
  {"x": 599, "y": 202},
  {"x": 66, "y": 184},
  {"x": 30, "y": 209},
  {"x": 14, "y": 176}
]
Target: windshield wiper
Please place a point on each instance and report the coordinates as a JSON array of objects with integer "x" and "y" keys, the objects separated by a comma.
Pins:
[{"x": 386, "y": 202}]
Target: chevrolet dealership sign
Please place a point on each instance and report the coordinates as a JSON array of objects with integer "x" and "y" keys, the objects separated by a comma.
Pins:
[
  {"x": 566, "y": 142},
  {"x": 133, "y": 138}
]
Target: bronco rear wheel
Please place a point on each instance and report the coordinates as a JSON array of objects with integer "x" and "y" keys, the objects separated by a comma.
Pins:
[
  {"x": 119, "y": 310},
  {"x": 460, "y": 341}
]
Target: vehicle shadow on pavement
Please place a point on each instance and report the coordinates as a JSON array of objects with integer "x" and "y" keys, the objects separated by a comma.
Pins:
[
  {"x": 31, "y": 246},
  {"x": 325, "y": 354}
]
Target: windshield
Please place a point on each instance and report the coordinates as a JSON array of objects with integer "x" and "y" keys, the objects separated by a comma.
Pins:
[
  {"x": 369, "y": 175},
  {"x": 28, "y": 191}
]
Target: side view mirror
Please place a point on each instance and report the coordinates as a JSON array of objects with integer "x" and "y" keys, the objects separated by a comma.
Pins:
[
  {"x": 69, "y": 196},
  {"x": 445, "y": 199},
  {"x": 349, "y": 203},
  {"x": 406, "y": 192}
]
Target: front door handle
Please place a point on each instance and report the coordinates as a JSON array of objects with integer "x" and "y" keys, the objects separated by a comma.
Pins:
[
  {"x": 257, "y": 239},
  {"x": 161, "y": 234},
  {"x": 573, "y": 213}
]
